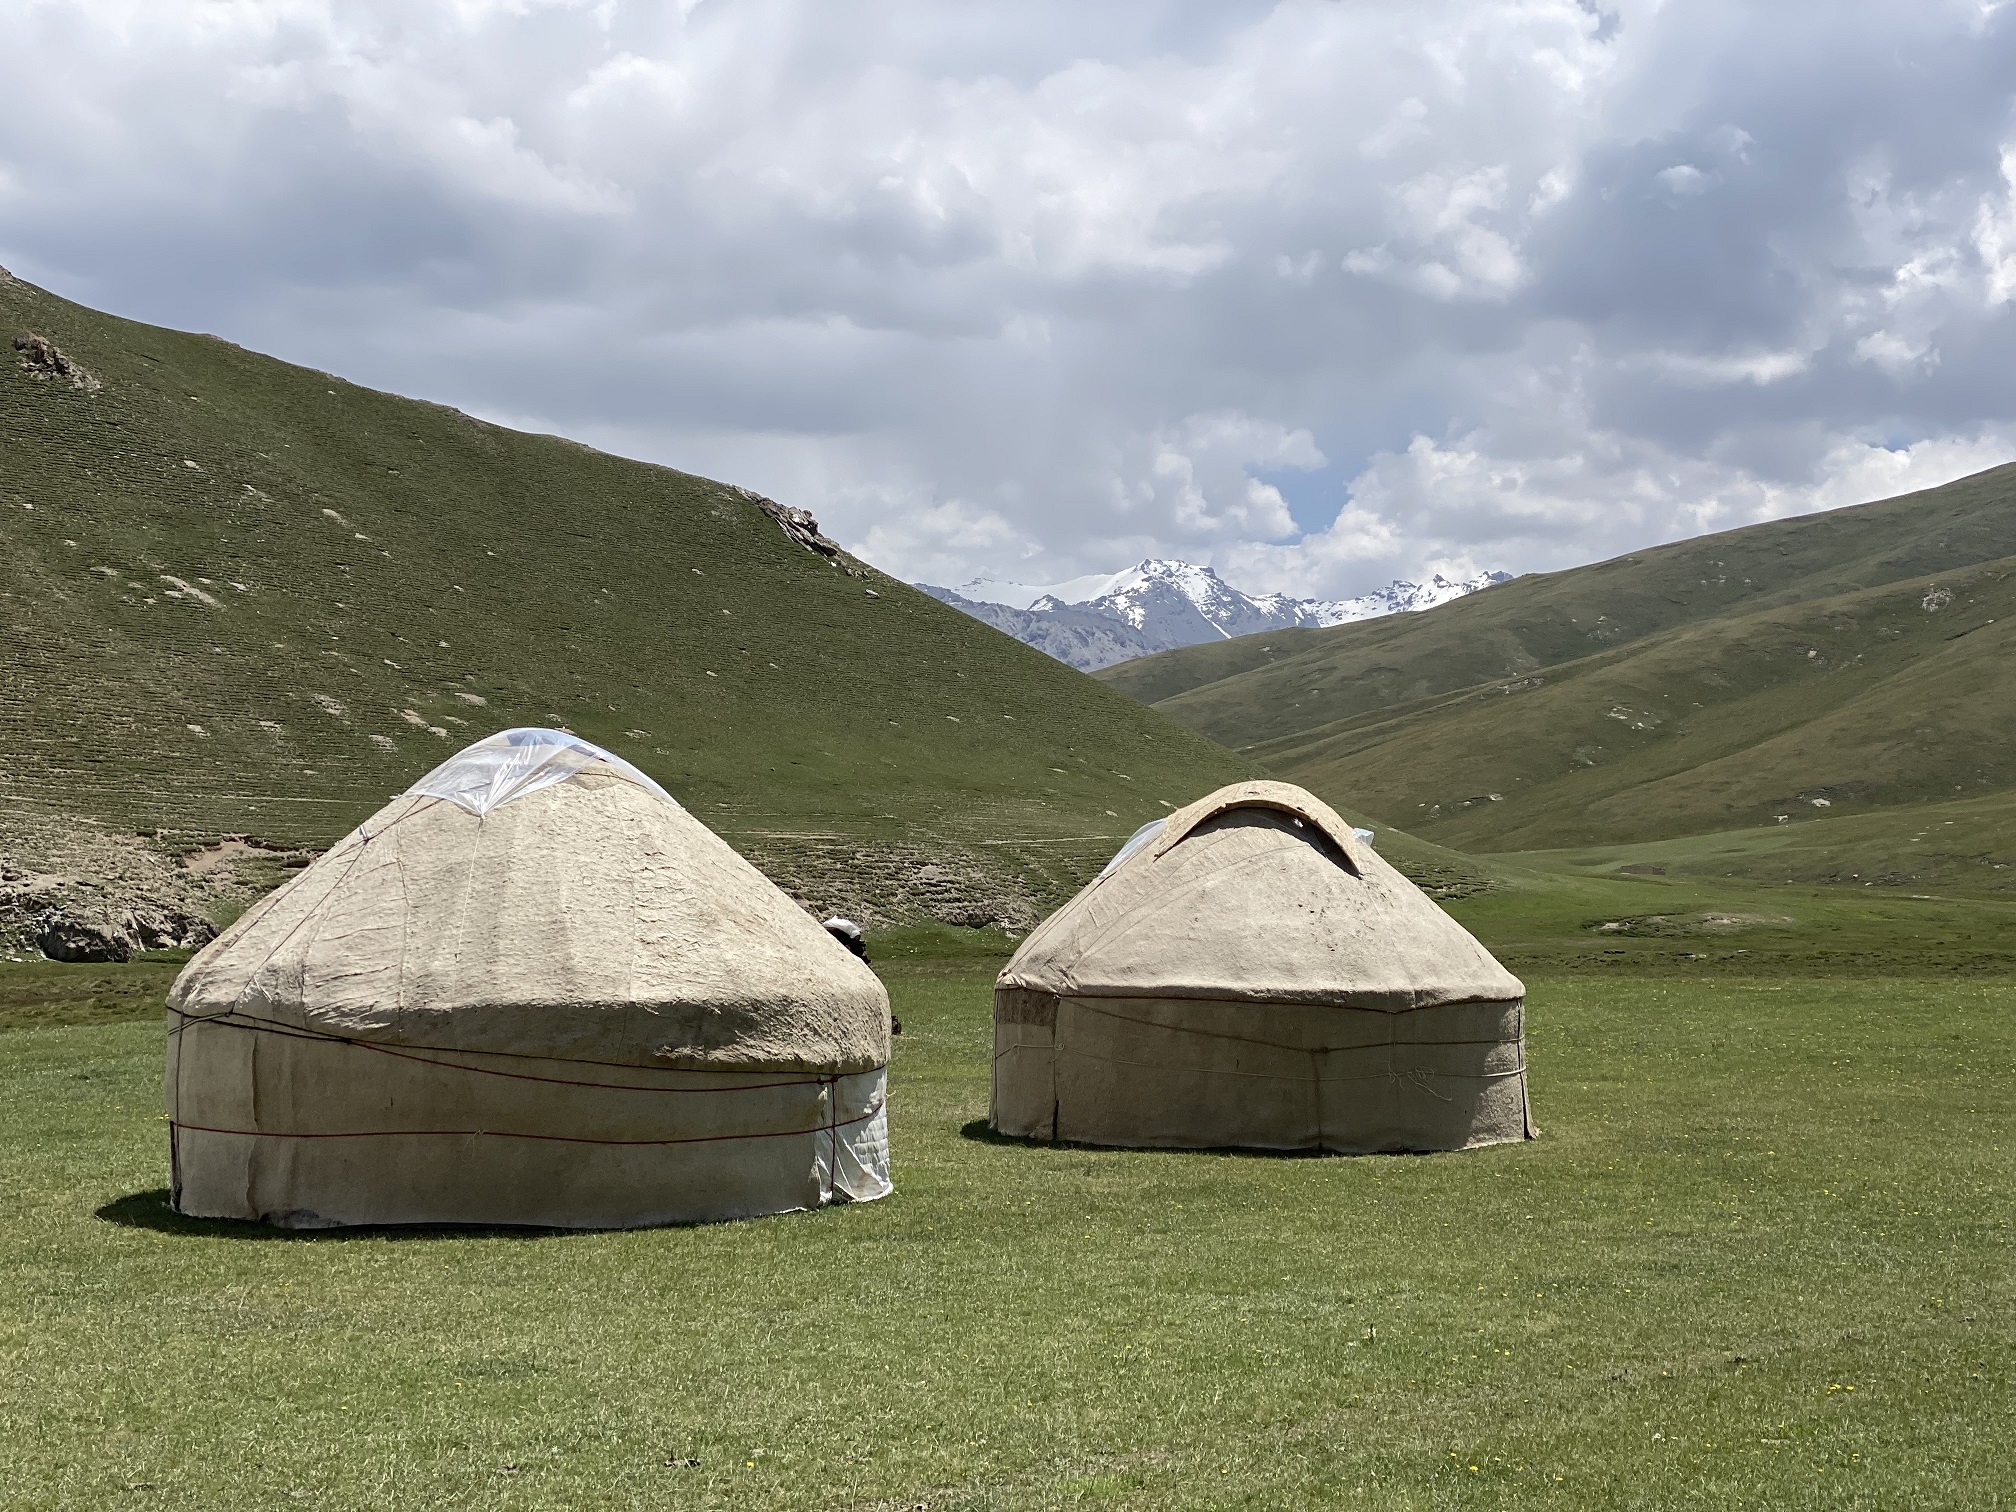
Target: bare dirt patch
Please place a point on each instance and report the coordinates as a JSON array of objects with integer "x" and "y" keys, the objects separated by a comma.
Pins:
[
  {"x": 1675, "y": 926},
  {"x": 211, "y": 859}
]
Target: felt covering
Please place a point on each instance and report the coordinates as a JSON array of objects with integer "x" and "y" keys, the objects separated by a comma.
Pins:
[
  {"x": 1255, "y": 974},
  {"x": 581, "y": 966}
]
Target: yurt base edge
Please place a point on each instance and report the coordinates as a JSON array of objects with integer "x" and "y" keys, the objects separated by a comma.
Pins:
[{"x": 1203, "y": 1074}]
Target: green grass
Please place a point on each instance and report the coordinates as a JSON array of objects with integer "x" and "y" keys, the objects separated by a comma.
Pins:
[
  {"x": 242, "y": 597},
  {"x": 1752, "y": 1195},
  {"x": 1968, "y": 845},
  {"x": 37, "y": 994},
  {"x": 1842, "y": 664},
  {"x": 1595, "y": 919}
]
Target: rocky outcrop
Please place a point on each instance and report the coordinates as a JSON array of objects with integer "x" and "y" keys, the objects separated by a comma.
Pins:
[
  {"x": 69, "y": 934},
  {"x": 45, "y": 360},
  {"x": 893, "y": 883},
  {"x": 61, "y": 937},
  {"x": 70, "y": 891},
  {"x": 801, "y": 527}
]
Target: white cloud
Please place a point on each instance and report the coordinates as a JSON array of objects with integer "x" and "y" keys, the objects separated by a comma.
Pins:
[
  {"x": 1313, "y": 567},
  {"x": 1321, "y": 292},
  {"x": 1853, "y": 472},
  {"x": 935, "y": 542},
  {"x": 1423, "y": 509},
  {"x": 1895, "y": 353},
  {"x": 1699, "y": 370},
  {"x": 1995, "y": 234},
  {"x": 1195, "y": 481}
]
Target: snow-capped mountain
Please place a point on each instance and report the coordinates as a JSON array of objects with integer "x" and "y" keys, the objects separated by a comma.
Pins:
[{"x": 1095, "y": 621}]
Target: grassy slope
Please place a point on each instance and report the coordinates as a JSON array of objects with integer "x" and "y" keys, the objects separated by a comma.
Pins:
[
  {"x": 1967, "y": 845},
  {"x": 362, "y": 567},
  {"x": 1865, "y": 700},
  {"x": 1663, "y": 1303},
  {"x": 1855, "y": 658},
  {"x": 1550, "y": 618}
]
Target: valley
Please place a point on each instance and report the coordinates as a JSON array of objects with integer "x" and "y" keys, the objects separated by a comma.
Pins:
[
  {"x": 1837, "y": 679},
  {"x": 242, "y": 598}
]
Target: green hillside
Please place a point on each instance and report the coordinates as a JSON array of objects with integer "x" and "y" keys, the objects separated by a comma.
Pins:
[
  {"x": 1814, "y": 669},
  {"x": 243, "y": 598}
]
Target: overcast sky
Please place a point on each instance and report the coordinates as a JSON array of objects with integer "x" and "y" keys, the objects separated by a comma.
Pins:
[{"x": 1321, "y": 292}]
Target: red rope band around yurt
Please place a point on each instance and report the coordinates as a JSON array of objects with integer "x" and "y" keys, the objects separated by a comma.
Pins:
[
  {"x": 823, "y": 1128},
  {"x": 233, "y": 1020}
]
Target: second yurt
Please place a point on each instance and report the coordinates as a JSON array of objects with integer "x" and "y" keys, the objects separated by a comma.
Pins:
[
  {"x": 531, "y": 990},
  {"x": 1250, "y": 973}
]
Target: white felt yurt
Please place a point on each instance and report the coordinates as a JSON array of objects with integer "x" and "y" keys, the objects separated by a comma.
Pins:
[
  {"x": 533, "y": 989},
  {"x": 1250, "y": 973}
]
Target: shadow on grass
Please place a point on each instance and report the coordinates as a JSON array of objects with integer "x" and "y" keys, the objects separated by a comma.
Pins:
[
  {"x": 985, "y": 1133},
  {"x": 982, "y": 1132},
  {"x": 153, "y": 1210}
]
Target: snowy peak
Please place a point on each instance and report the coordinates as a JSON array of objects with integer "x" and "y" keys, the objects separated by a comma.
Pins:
[
  {"x": 987, "y": 590},
  {"x": 1159, "y": 604},
  {"x": 1398, "y": 598},
  {"x": 1179, "y": 604}
]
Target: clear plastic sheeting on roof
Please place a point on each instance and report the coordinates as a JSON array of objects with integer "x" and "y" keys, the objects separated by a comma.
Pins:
[
  {"x": 512, "y": 763},
  {"x": 1135, "y": 842}
]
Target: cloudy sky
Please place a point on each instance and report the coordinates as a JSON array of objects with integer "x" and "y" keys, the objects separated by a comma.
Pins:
[{"x": 1322, "y": 292}]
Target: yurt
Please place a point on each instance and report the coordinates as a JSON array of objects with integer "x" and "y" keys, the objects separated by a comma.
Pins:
[
  {"x": 1249, "y": 973},
  {"x": 532, "y": 989}
]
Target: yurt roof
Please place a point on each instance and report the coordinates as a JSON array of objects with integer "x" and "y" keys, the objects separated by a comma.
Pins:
[
  {"x": 538, "y": 895},
  {"x": 1259, "y": 892}
]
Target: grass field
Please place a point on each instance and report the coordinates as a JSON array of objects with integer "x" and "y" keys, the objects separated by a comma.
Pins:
[
  {"x": 1547, "y": 915},
  {"x": 1762, "y": 1257}
]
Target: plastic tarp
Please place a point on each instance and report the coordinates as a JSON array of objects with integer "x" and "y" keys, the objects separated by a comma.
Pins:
[
  {"x": 854, "y": 1166},
  {"x": 512, "y": 763},
  {"x": 1142, "y": 836}
]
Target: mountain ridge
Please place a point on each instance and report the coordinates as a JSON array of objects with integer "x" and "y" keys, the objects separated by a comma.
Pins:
[
  {"x": 1788, "y": 673},
  {"x": 1163, "y": 603}
]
